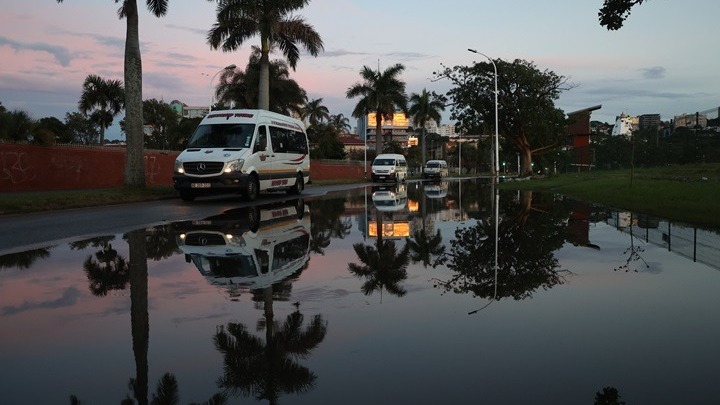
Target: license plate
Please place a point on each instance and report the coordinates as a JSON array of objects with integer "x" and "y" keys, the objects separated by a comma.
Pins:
[
  {"x": 202, "y": 222},
  {"x": 200, "y": 185}
]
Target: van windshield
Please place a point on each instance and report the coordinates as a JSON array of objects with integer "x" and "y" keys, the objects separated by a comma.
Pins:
[
  {"x": 222, "y": 136},
  {"x": 433, "y": 164},
  {"x": 384, "y": 162}
]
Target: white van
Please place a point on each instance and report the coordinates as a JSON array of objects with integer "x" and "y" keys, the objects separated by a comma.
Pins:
[
  {"x": 389, "y": 166},
  {"x": 435, "y": 169},
  {"x": 390, "y": 199},
  {"x": 246, "y": 151}
]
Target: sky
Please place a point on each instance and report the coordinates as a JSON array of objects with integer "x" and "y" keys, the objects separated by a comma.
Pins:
[{"x": 662, "y": 60}]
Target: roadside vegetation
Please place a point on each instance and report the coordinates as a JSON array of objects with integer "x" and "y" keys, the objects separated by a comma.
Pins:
[{"x": 685, "y": 193}]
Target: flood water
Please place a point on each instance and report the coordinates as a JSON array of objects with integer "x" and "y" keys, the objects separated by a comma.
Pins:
[{"x": 377, "y": 295}]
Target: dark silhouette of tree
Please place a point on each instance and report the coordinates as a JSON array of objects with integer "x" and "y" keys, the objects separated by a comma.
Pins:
[
  {"x": 23, "y": 260},
  {"x": 633, "y": 252},
  {"x": 276, "y": 25},
  {"x": 425, "y": 107},
  {"x": 101, "y": 100},
  {"x": 382, "y": 93},
  {"x": 161, "y": 242},
  {"x": 613, "y": 13},
  {"x": 326, "y": 223},
  {"x": 266, "y": 370},
  {"x": 240, "y": 89},
  {"x": 139, "y": 316},
  {"x": 383, "y": 266},
  {"x": 106, "y": 270},
  {"x": 608, "y": 396},
  {"x": 527, "y": 239},
  {"x": 426, "y": 249}
]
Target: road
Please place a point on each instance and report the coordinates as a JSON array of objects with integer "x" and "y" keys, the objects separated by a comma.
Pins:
[{"x": 23, "y": 232}]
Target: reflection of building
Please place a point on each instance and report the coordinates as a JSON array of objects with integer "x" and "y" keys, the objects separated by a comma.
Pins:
[{"x": 390, "y": 216}]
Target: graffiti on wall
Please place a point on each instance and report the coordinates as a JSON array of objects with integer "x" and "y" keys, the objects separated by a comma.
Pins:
[
  {"x": 16, "y": 167},
  {"x": 72, "y": 165}
]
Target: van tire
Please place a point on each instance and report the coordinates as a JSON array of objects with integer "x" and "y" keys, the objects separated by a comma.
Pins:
[
  {"x": 299, "y": 185},
  {"x": 253, "y": 219},
  {"x": 252, "y": 189}
]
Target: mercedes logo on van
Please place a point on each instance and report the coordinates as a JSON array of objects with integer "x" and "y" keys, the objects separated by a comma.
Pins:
[
  {"x": 203, "y": 241},
  {"x": 201, "y": 167}
]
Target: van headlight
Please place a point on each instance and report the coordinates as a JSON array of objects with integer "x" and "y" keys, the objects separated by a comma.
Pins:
[
  {"x": 179, "y": 166},
  {"x": 234, "y": 166},
  {"x": 392, "y": 170}
]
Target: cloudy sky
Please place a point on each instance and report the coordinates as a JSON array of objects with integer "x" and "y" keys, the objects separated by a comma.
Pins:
[{"x": 662, "y": 61}]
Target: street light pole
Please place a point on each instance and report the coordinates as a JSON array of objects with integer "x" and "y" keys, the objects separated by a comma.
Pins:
[
  {"x": 497, "y": 140},
  {"x": 212, "y": 97}
]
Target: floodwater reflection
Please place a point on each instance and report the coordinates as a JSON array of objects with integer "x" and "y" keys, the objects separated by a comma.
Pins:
[{"x": 388, "y": 287}]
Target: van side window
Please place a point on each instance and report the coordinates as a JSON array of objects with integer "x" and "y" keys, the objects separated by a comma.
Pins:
[
  {"x": 287, "y": 141},
  {"x": 261, "y": 140}
]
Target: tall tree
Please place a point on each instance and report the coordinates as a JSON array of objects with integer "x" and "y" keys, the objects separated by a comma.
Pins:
[
  {"x": 340, "y": 122},
  {"x": 528, "y": 118},
  {"x": 273, "y": 21},
  {"x": 382, "y": 93},
  {"x": 425, "y": 107},
  {"x": 240, "y": 87},
  {"x": 81, "y": 129},
  {"x": 613, "y": 13},
  {"x": 101, "y": 99},
  {"x": 135, "y": 163},
  {"x": 315, "y": 112},
  {"x": 159, "y": 116}
]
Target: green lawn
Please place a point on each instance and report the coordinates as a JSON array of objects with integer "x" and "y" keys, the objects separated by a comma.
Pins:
[{"x": 687, "y": 193}]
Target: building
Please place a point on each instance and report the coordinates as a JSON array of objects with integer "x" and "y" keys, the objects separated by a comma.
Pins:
[
  {"x": 352, "y": 143},
  {"x": 186, "y": 111},
  {"x": 649, "y": 121},
  {"x": 691, "y": 120},
  {"x": 623, "y": 125},
  {"x": 398, "y": 129}
]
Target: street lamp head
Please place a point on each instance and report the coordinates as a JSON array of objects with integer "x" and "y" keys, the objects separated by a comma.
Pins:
[{"x": 472, "y": 50}]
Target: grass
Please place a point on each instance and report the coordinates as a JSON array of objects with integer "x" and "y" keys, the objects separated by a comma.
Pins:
[{"x": 686, "y": 193}]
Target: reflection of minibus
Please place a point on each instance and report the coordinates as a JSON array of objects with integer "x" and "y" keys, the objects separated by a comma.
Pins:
[
  {"x": 244, "y": 151},
  {"x": 436, "y": 190},
  {"x": 389, "y": 166},
  {"x": 390, "y": 198},
  {"x": 227, "y": 251},
  {"x": 435, "y": 168}
]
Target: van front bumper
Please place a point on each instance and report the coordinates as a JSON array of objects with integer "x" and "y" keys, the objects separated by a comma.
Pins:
[{"x": 223, "y": 183}]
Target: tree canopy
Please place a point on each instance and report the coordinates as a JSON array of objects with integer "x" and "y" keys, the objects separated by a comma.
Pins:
[
  {"x": 528, "y": 119},
  {"x": 613, "y": 13}
]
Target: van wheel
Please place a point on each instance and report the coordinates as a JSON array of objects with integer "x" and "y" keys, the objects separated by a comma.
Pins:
[
  {"x": 187, "y": 196},
  {"x": 254, "y": 219},
  {"x": 253, "y": 188},
  {"x": 299, "y": 185}
]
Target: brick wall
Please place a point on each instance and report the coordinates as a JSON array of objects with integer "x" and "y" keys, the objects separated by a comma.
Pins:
[{"x": 39, "y": 168}]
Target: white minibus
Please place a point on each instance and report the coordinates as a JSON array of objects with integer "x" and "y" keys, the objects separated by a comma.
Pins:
[
  {"x": 389, "y": 166},
  {"x": 435, "y": 169},
  {"x": 245, "y": 151}
]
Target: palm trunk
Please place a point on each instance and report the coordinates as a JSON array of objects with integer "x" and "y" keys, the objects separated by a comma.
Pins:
[
  {"x": 378, "y": 133},
  {"x": 422, "y": 152},
  {"x": 134, "y": 162},
  {"x": 264, "y": 85},
  {"x": 139, "y": 316}
]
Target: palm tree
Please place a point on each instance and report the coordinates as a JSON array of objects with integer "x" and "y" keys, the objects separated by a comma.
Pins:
[
  {"x": 272, "y": 20},
  {"x": 382, "y": 93},
  {"x": 384, "y": 268},
  {"x": 103, "y": 99},
  {"x": 425, "y": 107},
  {"x": 240, "y": 87},
  {"x": 315, "y": 113},
  {"x": 135, "y": 163},
  {"x": 341, "y": 123}
]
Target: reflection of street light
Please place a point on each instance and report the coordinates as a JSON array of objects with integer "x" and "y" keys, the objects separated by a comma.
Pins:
[
  {"x": 497, "y": 140},
  {"x": 212, "y": 98}
]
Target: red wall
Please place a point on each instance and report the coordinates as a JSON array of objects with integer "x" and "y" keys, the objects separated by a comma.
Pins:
[{"x": 38, "y": 168}]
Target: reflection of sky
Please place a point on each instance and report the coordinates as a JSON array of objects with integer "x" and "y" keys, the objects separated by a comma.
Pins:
[{"x": 652, "y": 334}]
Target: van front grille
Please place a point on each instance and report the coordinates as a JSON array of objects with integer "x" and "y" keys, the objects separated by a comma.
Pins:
[
  {"x": 204, "y": 239},
  {"x": 203, "y": 168}
]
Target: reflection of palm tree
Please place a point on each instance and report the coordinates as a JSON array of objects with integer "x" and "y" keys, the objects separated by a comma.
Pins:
[
  {"x": 424, "y": 248},
  {"x": 327, "y": 224},
  {"x": 106, "y": 271},
  {"x": 383, "y": 266},
  {"x": 23, "y": 260},
  {"x": 267, "y": 370},
  {"x": 139, "y": 317},
  {"x": 161, "y": 242}
]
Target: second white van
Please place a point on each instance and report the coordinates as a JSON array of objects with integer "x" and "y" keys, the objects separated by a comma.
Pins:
[
  {"x": 245, "y": 151},
  {"x": 389, "y": 166},
  {"x": 435, "y": 169}
]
